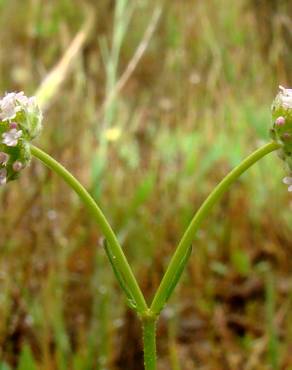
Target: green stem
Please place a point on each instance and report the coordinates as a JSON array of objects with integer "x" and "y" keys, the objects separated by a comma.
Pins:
[
  {"x": 161, "y": 294},
  {"x": 120, "y": 259},
  {"x": 149, "y": 343}
]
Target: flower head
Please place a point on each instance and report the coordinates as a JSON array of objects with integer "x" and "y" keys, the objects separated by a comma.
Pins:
[
  {"x": 282, "y": 124},
  {"x": 20, "y": 122},
  {"x": 23, "y": 110}
]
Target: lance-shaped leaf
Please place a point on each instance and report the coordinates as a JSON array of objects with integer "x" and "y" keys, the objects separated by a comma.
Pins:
[
  {"x": 175, "y": 279},
  {"x": 130, "y": 299}
]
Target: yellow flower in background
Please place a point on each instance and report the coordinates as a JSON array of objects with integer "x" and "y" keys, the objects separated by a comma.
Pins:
[{"x": 113, "y": 134}]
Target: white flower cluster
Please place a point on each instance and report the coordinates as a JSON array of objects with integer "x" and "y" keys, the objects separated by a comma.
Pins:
[
  {"x": 20, "y": 122},
  {"x": 285, "y": 96},
  {"x": 12, "y": 103}
]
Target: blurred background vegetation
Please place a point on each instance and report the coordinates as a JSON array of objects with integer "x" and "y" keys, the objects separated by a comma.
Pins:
[{"x": 149, "y": 103}]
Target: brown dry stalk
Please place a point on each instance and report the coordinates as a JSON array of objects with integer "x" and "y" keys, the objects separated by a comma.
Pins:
[{"x": 50, "y": 86}]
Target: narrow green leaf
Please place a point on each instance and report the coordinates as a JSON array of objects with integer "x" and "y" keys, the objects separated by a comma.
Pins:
[
  {"x": 26, "y": 360},
  {"x": 176, "y": 277},
  {"x": 130, "y": 299}
]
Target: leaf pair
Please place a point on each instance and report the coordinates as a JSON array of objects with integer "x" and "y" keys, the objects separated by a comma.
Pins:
[{"x": 130, "y": 299}]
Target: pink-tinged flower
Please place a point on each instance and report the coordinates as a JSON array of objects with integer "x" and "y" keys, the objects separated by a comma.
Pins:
[
  {"x": 280, "y": 121},
  {"x": 11, "y": 137},
  {"x": 17, "y": 166},
  {"x": 288, "y": 181},
  {"x": 4, "y": 157},
  {"x": 3, "y": 176},
  {"x": 13, "y": 125}
]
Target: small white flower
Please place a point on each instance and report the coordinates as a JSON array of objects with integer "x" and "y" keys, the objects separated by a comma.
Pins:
[
  {"x": 286, "y": 97},
  {"x": 7, "y": 107},
  {"x": 20, "y": 98},
  {"x": 11, "y": 137},
  {"x": 288, "y": 181},
  {"x": 25, "y": 103},
  {"x": 3, "y": 176}
]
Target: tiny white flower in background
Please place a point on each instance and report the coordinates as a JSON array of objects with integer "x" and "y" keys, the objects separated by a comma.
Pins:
[
  {"x": 286, "y": 97},
  {"x": 3, "y": 178},
  {"x": 11, "y": 137},
  {"x": 288, "y": 181}
]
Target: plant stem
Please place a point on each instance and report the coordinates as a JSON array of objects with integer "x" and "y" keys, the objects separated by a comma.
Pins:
[
  {"x": 120, "y": 258},
  {"x": 149, "y": 343},
  {"x": 161, "y": 294}
]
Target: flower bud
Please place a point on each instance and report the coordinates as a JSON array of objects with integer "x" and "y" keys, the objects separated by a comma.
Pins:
[
  {"x": 4, "y": 157},
  {"x": 20, "y": 122},
  {"x": 13, "y": 125},
  {"x": 17, "y": 166},
  {"x": 280, "y": 121}
]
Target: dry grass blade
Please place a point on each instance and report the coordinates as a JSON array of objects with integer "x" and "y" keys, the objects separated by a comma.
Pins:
[
  {"x": 258, "y": 349},
  {"x": 132, "y": 65},
  {"x": 52, "y": 82}
]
